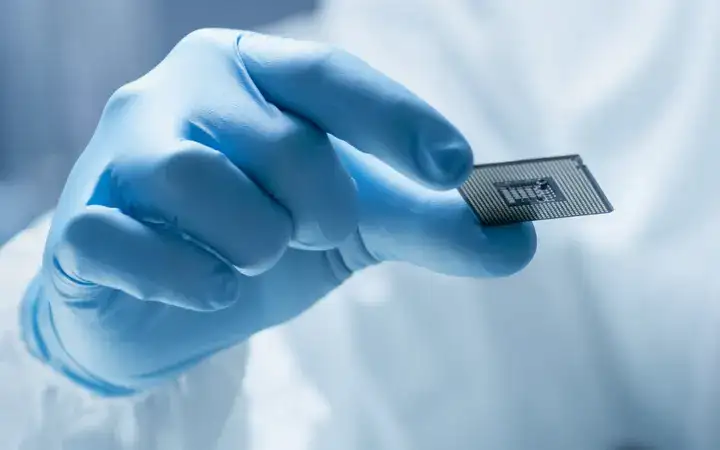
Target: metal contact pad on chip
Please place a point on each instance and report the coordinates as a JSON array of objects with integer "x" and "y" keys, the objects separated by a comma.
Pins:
[{"x": 533, "y": 189}]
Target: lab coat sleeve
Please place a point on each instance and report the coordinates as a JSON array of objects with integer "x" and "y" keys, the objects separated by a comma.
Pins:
[{"x": 40, "y": 409}]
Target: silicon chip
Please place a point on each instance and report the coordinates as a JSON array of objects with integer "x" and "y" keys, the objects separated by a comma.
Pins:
[{"x": 533, "y": 189}]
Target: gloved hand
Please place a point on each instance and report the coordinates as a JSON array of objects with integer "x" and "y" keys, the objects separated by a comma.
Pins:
[{"x": 231, "y": 188}]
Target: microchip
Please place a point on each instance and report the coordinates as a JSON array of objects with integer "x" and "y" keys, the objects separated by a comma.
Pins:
[{"x": 533, "y": 189}]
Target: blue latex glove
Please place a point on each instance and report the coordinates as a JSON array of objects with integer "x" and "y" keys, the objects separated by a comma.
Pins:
[{"x": 231, "y": 188}]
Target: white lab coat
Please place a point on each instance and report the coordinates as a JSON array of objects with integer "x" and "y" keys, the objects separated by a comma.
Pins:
[{"x": 609, "y": 339}]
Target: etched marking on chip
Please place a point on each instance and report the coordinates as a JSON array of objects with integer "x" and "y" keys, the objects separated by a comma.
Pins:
[
  {"x": 533, "y": 189},
  {"x": 529, "y": 192}
]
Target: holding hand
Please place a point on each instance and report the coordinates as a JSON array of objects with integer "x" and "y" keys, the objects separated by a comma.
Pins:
[{"x": 231, "y": 188}]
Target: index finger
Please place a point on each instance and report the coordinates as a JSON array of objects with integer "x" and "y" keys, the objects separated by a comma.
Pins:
[{"x": 347, "y": 98}]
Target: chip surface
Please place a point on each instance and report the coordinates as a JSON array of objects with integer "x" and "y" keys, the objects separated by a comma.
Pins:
[{"x": 533, "y": 189}]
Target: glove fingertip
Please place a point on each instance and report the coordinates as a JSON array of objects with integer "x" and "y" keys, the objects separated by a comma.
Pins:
[
  {"x": 447, "y": 166},
  {"x": 512, "y": 246}
]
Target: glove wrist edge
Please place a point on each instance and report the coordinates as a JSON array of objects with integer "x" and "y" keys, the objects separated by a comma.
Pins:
[{"x": 41, "y": 341}]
